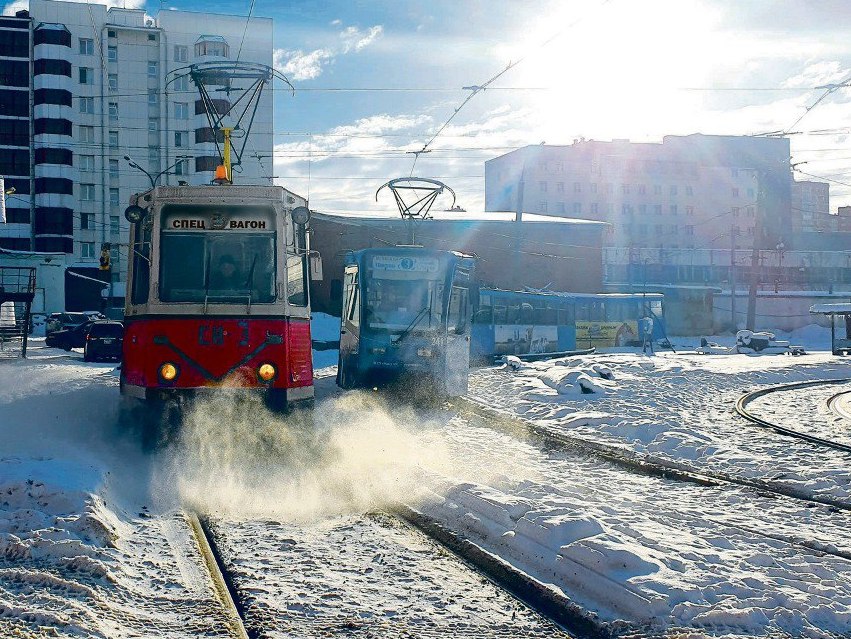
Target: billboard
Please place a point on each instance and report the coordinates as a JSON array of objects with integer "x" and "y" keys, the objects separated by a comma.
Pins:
[{"x": 606, "y": 334}]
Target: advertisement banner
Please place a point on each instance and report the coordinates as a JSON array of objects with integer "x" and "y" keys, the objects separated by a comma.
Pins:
[
  {"x": 523, "y": 340},
  {"x": 606, "y": 334}
]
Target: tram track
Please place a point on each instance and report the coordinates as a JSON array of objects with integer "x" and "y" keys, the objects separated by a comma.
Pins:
[
  {"x": 559, "y": 615},
  {"x": 645, "y": 465},
  {"x": 835, "y": 405},
  {"x": 747, "y": 398}
]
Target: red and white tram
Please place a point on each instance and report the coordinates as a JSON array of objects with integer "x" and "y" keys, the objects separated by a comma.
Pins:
[{"x": 217, "y": 295}]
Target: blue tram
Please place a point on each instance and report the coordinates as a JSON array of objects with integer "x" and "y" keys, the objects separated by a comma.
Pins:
[
  {"x": 406, "y": 311},
  {"x": 521, "y": 323}
]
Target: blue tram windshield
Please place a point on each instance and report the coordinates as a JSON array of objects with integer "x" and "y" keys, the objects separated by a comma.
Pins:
[
  {"x": 396, "y": 304},
  {"x": 218, "y": 267}
]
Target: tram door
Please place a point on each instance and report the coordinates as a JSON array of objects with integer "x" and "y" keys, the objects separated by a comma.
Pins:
[
  {"x": 347, "y": 369},
  {"x": 457, "y": 366}
]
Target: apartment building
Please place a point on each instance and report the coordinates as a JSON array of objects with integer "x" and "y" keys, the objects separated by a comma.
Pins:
[
  {"x": 83, "y": 86},
  {"x": 695, "y": 191}
]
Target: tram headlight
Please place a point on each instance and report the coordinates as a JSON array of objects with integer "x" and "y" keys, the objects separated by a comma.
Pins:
[
  {"x": 267, "y": 372},
  {"x": 168, "y": 371}
]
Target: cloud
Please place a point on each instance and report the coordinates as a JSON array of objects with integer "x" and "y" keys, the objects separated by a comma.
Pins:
[
  {"x": 300, "y": 65},
  {"x": 817, "y": 74},
  {"x": 18, "y": 5},
  {"x": 354, "y": 39}
]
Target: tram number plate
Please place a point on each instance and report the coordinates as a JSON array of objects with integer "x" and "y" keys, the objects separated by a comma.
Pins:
[{"x": 212, "y": 335}]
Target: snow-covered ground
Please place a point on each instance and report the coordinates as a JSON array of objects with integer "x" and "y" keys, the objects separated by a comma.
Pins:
[{"x": 93, "y": 542}]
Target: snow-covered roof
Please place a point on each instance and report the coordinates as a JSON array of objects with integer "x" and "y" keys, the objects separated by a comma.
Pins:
[
  {"x": 831, "y": 309},
  {"x": 463, "y": 216}
]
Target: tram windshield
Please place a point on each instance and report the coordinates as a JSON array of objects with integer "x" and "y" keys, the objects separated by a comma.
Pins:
[
  {"x": 404, "y": 304},
  {"x": 217, "y": 267}
]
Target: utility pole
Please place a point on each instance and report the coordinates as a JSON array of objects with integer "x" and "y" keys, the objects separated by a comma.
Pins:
[
  {"x": 755, "y": 261},
  {"x": 733, "y": 234}
]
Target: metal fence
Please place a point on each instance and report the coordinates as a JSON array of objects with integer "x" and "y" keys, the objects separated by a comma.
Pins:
[{"x": 17, "y": 290}]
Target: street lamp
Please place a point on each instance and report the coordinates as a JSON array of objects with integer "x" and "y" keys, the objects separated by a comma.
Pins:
[{"x": 155, "y": 178}]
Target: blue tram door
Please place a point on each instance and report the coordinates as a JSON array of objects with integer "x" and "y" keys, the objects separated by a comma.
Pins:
[
  {"x": 347, "y": 364},
  {"x": 457, "y": 354}
]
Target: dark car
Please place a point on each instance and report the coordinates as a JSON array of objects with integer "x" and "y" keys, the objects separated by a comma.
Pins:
[
  {"x": 65, "y": 321},
  {"x": 69, "y": 338},
  {"x": 104, "y": 341}
]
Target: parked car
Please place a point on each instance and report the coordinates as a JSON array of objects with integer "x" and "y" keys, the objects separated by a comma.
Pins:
[
  {"x": 69, "y": 338},
  {"x": 104, "y": 340},
  {"x": 95, "y": 315},
  {"x": 61, "y": 321}
]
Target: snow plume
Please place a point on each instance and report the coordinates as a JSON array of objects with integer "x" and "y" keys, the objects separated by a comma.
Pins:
[{"x": 351, "y": 456}]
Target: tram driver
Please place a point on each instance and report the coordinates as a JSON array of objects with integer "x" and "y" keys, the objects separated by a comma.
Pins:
[{"x": 227, "y": 276}]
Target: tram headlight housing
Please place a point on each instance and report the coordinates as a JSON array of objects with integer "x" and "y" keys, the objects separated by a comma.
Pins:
[
  {"x": 168, "y": 372},
  {"x": 267, "y": 372}
]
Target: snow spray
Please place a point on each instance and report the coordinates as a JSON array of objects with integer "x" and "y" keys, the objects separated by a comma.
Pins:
[{"x": 349, "y": 455}]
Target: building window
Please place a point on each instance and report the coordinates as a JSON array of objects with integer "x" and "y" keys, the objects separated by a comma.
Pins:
[
  {"x": 112, "y": 53},
  {"x": 87, "y": 46},
  {"x": 182, "y": 167},
  {"x": 560, "y": 207},
  {"x": 87, "y": 192},
  {"x": 111, "y": 34},
  {"x": 610, "y": 188},
  {"x": 114, "y": 224},
  {"x": 212, "y": 45},
  {"x": 577, "y": 187},
  {"x": 153, "y": 68},
  {"x": 735, "y": 211},
  {"x": 625, "y": 189},
  {"x": 113, "y": 138},
  {"x": 153, "y": 125},
  {"x": 642, "y": 210},
  {"x": 673, "y": 229},
  {"x": 657, "y": 189},
  {"x": 594, "y": 208},
  {"x": 626, "y": 209},
  {"x": 87, "y": 134},
  {"x": 181, "y": 83},
  {"x": 577, "y": 207},
  {"x": 559, "y": 187},
  {"x": 181, "y": 138},
  {"x": 112, "y": 80},
  {"x": 86, "y": 162},
  {"x": 642, "y": 189},
  {"x": 673, "y": 189},
  {"x": 673, "y": 209},
  {"x": 734, "y": 173},
  {"x": 44, "y": 66},
  {"x": 657, "y": 209},
  {"x": 542, "y": 187},
  {"x": 181, "y": 53},
  {"x": 593, "y": 187},
  {"x": 689, "y": 190},
  {"x": 87, "y": 250},
  {"x": 689, "y": 229},
  {"x": 113, "y": 110},
  {"x": 153, "y": 96},
  {"x": 689, "y": 210},
  {"x": 87, "y": 105},
  {"x": 660, "y": 229},
  {"x": 735, "y": 192},
  {"x": 86, "y": 220},
  {"x": 113, "y": 168},
  {"x": 542, "y": 207},
  {"x": 181, "y": 110},
  {"x": 113, "y": 197},
  {"x": 87, "y": 75},
  {"x": 609, "y": 208},
  {"x": 642, "y": 229},
  {"x": 751, "y": 193},
  {"x": 750, "y": 211},
  {"x": 152, "y": 37}
]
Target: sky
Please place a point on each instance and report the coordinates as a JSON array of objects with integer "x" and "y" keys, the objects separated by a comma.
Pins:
[{"x": 375, "y": 80}]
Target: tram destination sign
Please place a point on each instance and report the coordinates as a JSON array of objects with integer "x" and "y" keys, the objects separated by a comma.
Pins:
[
  {"x": 188, "y": 220},
  {"x": 406, "y": 264}
]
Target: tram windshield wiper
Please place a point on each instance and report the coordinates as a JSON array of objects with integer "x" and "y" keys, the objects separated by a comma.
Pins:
[{"x": 417, "y": 318}]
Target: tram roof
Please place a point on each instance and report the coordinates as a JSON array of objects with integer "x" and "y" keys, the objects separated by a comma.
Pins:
[{"x": 455, "y": 216}]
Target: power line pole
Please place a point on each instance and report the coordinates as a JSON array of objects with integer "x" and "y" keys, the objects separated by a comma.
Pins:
[
  {"x": 733, "y": 233},
  {"x": 755, "y": 261}
]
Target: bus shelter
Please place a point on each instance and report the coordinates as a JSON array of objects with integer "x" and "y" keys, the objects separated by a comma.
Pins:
[{"x": 839, "y": 345}]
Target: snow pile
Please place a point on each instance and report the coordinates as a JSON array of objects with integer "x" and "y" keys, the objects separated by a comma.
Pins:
[{"x": 565, "y": 377}]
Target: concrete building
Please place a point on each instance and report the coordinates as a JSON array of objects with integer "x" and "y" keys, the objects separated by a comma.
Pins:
[
  {"x": 562, "y": 254},
  {"x": 685, "y": 192},
  {"x": 811, "y": 208},
  {"x": 81, "y": 86}
]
